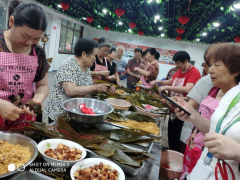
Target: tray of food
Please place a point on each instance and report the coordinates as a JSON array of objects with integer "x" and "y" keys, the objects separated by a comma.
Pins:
[{"x": 129, "y": 119}]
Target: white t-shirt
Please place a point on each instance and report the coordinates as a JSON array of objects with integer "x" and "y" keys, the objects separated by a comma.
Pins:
[
  {"x": 198, "y": 93},
  {"x": 233, "y": 132}
]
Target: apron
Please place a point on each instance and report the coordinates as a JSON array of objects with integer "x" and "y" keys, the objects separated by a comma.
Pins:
[
  {"x": 17, "y": 73},
  {"x": 195, "y": 142},
  {"x": 100, "y": 68},
  {"x": 178, "y": 82}
]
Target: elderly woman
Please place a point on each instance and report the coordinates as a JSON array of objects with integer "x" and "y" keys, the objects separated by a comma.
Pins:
[
  {"x": 100, "y": 68},
  {"x": 152, "y": 70},
  {"x": 121, "y": 63},
  {"x": 225, "y": 75},
  {"x": 74, "y": 79}
]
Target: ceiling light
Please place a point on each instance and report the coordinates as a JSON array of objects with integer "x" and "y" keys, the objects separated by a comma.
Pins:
[
  {"x": 157, "y": 17},
  {"x": 160, "y": 20},
  {"x": 237, "y": 6},
  {"x": 104, "y": 11},
  {"x": 216, "y": 24},
  {"x": 129, "y": 30},
  {"x": 231, "y": 8},
  {"x": 160, "y": 28},
  {"x": 222, "y": 8},
  {"x": 99, "y": 26},
  {"x": 204, "y": 34},
  {"x": 197, "y": 39},
  {"x": 59, "y": 6},
  {"x": 120, "y": 23},
  {"x": 149, "y": 1},
  {"x": 84, "y": 18},
  {"x": 162, "y": 35},
  {"x": 155, "y": 20}
]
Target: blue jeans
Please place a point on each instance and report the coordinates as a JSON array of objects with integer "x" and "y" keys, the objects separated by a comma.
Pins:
[{"x": 123, "y": 77}]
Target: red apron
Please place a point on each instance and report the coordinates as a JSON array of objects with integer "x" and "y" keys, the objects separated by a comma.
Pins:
[
  {"x": 17, "y": 73},
  {"x": 100, "y": 68},
  {"x": 195, "y": 142}
]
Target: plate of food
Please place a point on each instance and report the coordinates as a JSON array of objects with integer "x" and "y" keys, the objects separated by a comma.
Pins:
[
  {"x": 97, "y": 168},
  {"x": 60, "y": 153}
]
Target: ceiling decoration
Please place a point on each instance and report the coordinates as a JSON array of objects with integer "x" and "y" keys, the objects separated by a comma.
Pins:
[{"x": 205, "y": 21}]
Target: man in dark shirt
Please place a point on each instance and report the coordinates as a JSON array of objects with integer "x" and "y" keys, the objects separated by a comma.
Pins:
[{"x": 133, "y": 76}]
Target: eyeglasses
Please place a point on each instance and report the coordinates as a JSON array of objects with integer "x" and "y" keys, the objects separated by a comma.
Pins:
[{"x": 105, "y": 51}]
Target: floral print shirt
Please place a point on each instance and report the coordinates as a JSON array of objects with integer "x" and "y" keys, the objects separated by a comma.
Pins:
[{"x": 69, "y": 71}]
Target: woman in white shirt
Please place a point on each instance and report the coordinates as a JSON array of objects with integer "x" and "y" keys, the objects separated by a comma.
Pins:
[{"x": 225, "y": 73}]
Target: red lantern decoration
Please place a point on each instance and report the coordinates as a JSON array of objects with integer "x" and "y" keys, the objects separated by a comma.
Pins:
[
  {"x": 178, "y": 38},
  {"x": 140, "y": 33},
  {"x": 90, "y": 19},
  {"x": 107, "y": 28},
  {"x": 183, "y": 19},
  {"x": 64, "y": 5},
  {"x": 132, "y": 25},
  {"x": 237, "y": 39},
  {"x": 119, "y": 12},
  {"x": 180, "y": 30}
]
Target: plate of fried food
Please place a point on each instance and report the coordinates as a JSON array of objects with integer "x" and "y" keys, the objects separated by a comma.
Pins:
[{"x": 121, "y": 92}]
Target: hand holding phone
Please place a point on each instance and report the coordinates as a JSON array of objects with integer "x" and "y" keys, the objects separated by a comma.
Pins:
[{"x": 175, "y": 103}]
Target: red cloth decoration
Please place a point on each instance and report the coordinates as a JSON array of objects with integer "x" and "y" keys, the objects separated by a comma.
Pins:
[
  {"x": 178, "y": 38},
  {"x": 132, "y": 25},
  {"x": 119, "y": 12},
  {"x": 180, "y": 30},
  {"x": 140, "y": 33},
  {"x": 183, "y": 19},
  {"x": 90, "y": 19},
  {"x": 64, "y": 5},
  {"x": 237, "y": 39},
  {"x": 86, "y": 110},
  {"x": 107, "y": 28}
]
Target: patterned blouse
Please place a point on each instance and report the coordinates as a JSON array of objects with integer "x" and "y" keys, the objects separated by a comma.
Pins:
[
  {"x": 154, "y": 70},
  {"x": 43, "y": 65},
  {"x": 69, "y": 71}
]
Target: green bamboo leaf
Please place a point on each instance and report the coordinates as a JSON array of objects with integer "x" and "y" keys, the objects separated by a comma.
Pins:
[
  {"x": 223, "y": 30},
  {"x": 234, "y": 15}
]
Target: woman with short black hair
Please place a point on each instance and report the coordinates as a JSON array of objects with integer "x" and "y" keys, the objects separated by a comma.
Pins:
[
  {"x": 19, "y": 45},
  {"x": 74, "y": 79}
]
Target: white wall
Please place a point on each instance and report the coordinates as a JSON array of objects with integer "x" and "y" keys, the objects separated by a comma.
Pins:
[{"x": 196, "y": 51}]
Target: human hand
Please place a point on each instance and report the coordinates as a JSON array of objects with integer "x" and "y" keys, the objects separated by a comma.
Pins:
[
  {"x": 142, "y": 66},
  {"x": 111, "y": 78},
  {"x": 104, "y": 73},
  {"x": 222, "y": 147},
  {"x": 136, "y": 69},
  {"x": 181, "y": 114},
  {"x": 164, "y": 102},
  {"x": 153, "y": 83},
  {"x": 111, "y": 90},
  {"x": 28, "y": 111},
  {"x": 138, "y": 76},
  {"x": 162, "y": 88},
  {"x": 102, "y": 87},
  {"x": 9, "y": 111}
]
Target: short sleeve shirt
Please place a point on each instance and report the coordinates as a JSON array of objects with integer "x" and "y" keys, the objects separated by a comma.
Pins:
[
  {"x": 121, "y": 64},
  {"x": 132, "y": 63},
  {"x": 69, "y": 71},
  {"x": 154, "y": 70},
  {"x": 43, "y": 65},
  {"x": 201, "y": 89},
  {"x": 192, "y": 76}
]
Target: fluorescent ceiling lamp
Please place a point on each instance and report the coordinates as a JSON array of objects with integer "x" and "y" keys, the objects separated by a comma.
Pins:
[
  {"x": 237, "y": 6},
  {"x": 216, "y": 24},
  {"x": 231, "y": 8},
  {"x": 197, "y": 39},
  {"x": 120, "y": 23},
  {"x": 204, "y": 34},
  {"x": 149, "y": 1},
  {"x": 160, "y": 28},
  {"x": 162, "y": 35},
  {"x": 99, "y": 26},
  {"x": 104, "y": 11},
  {"x": 59, "y": 6},
  {"x": 130, "y": 30},
  {"x": 84, "y": 18},
  {"x": 157, "y": 17}
]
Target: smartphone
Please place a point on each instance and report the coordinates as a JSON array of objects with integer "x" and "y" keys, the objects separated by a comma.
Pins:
[{"x": 175, "y": 104}]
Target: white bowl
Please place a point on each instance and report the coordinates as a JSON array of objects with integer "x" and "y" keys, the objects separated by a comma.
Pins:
[
  {"x": 93, "y": 161},
  {"x": 42, "y": 147}
]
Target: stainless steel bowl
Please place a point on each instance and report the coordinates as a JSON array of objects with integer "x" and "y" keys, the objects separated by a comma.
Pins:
[
  {"x": 101, "y": 108},
  {"x": 15, "y": 138}
]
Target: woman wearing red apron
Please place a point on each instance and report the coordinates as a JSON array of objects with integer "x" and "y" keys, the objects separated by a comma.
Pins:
[
  {"x": 195, "y": 142},
  {"x": 21, "y": 64},
  {"x": 151, "y": 71},
  {"x": 180, "y": 85}
]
